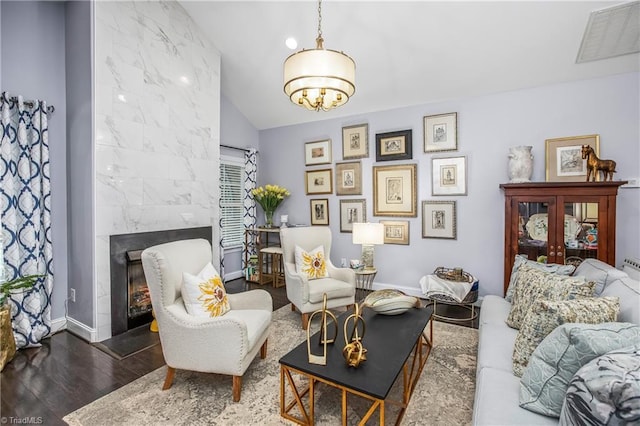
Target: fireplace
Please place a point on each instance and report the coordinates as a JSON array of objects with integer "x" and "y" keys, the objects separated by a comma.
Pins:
[{"x": 130, "y": 301}]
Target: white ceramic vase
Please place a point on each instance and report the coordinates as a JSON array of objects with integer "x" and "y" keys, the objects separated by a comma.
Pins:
[{"x": 520, "y": 164}]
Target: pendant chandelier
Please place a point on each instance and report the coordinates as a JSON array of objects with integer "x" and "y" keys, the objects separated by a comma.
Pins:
[{"x": 319, "y": 79}]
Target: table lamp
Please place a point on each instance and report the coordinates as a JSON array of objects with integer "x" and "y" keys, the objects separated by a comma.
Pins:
[{"x": 368, "y": 234}]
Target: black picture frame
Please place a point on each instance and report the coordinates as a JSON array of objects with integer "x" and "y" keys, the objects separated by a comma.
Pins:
[{"x": 392, "y": 146}]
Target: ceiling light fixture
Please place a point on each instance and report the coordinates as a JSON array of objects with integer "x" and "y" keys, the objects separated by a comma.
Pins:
[{"x": 319, "y": 79}]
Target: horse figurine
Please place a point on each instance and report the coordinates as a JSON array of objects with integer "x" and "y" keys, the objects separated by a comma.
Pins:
[{"x": 595, "y": 165}]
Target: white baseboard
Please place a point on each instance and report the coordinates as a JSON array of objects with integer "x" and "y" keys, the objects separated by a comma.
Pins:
[
  {"x": 58, "y": 324},
  {"x": 228, "y": 276},
  {"x": 82, "y": 330}
]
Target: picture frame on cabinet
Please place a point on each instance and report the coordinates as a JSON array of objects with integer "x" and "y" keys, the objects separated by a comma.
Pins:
[
  {"x": 395, "y": 190},
  {"x": 318, "y": 181},
  {"x": 439, "y": 219},
  {"x": 563, "y": 158},
  {"x": 441, "y": 132},
  {"x": 352, "y": 211},
  {"x": 396, "y": 231},
  {"x": 319, "y": 209},
  {"x": 355, "y": 142},
  {"x": 394, "y": 146},
  {"x": 349, "y": 178},
  {"x": 449, "y": 176},
  {"x": 318, "y": 152}
]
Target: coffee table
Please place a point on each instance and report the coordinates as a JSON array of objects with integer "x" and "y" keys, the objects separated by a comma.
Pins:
[{"x": 395, "y": 344}]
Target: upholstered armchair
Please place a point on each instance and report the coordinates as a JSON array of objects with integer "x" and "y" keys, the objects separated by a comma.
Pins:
[
  {"x": 226, "y": 344},
  {"x": 306, "y": 295}
]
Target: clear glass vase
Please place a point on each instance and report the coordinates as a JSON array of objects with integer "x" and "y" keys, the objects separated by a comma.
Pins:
[{"x": 268, "y": 218}]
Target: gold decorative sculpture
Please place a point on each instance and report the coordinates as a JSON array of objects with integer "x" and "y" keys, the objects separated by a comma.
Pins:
[
  {"x": 354, "y": 353},
  {"x": 595, "y": 165},
  {"x": 322, "y": 359}
]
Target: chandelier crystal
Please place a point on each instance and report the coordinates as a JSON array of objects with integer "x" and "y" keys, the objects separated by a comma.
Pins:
[{"x": 319, "y": 79}]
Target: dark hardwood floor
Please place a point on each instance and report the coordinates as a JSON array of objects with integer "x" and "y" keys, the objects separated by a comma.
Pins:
[{"x": 42, "y": 385}]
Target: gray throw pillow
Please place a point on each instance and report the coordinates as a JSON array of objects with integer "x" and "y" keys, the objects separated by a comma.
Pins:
[
  {"x": 605, "y": 391},
  {"x": 552, "y": 268},
  {"x": 563, "y": 352},
  {"x": 602, "y": 273}
]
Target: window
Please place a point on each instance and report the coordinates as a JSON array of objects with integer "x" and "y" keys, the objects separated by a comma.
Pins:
[{"x": 231, "y": 205}]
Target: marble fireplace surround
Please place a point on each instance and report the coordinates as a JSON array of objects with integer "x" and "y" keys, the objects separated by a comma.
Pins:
[{"x": 123, "y": 243}]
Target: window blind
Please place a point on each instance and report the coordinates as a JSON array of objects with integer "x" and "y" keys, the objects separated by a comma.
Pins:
[{"x": 231, "y": 206}]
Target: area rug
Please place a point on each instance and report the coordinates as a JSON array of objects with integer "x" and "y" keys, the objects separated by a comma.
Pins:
[{"x": 443, "y": 395}]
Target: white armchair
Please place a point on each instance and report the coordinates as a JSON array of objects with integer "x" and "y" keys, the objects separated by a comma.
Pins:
[
  {"x": 306, "y": 296},
  {"x": 226, "y": 344}
]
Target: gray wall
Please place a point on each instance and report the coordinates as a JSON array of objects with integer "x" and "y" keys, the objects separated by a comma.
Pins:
[
  {"x": 80, "y": 155},
  {"x": 487, "y": 127},
  {"x": 236, "y": 131},
  {"x": 33, "y": 65}
]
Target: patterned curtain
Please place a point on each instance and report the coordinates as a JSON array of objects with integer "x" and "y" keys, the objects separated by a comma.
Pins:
[
  {"x": 250, "y": 180},
  {"x": 25, "y": 203}
]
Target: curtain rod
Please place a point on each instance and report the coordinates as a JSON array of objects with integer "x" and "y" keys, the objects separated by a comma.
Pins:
[
  {"x": 30, "y": 104},
  {"x": 234, "y": 147}
]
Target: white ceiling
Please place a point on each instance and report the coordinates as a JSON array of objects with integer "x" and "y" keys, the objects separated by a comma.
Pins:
[{"x": 406, "y": 53}]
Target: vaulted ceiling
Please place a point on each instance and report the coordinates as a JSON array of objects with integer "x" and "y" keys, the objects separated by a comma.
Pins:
[{"x": 406, "y": 53}]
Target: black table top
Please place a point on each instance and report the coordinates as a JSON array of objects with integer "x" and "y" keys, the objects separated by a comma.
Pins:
[{"x": 389, "y": 340}]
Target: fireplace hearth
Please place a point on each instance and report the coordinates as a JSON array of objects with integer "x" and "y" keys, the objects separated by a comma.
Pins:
[{"x": 130, "y": 301}]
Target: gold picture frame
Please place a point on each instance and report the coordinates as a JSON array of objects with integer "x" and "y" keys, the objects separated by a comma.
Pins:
[
  {"x": 396, "y": 232},
  {"x": 319, "y": 210},
  {"x": 352, "y": 211},
  {"x": 318, "y": 152},
  {"x": 563, "y": 158},
  {"x": 394, "y": 190},
  {"x": 441, "y": 132},
  {"x": 349, "y": 178},
  {"x": 318, "y": 181},
  {"x": 355, "y": 142},
  {"x": 439, "y": 219}
]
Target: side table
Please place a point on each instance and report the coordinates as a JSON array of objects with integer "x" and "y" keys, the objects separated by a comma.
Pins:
[{"x": 364, "y": 282}]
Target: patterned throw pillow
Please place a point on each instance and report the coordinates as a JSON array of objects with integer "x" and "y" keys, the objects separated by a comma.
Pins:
[
  {"x": 606, "y": 391},
  {"x": 562, "y": 353},
  {"x": 545, "y": 316},
  {"x": 311, "y": 264},
  {"x": 204, "y": 294},
  {"x": 552, "y": 268},
  {"x": 533, "y": 284}
]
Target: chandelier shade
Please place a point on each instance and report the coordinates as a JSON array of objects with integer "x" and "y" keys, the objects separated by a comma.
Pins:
[{"x": 319, "y": 79}]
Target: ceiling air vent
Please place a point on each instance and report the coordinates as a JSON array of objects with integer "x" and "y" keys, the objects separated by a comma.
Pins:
[{"x": 613, "y": 31}]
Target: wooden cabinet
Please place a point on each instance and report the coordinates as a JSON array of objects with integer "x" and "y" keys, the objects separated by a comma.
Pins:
[{"x": 560, "y": 222}]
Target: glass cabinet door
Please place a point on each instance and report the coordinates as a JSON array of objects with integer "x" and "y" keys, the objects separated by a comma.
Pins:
[
  {"x": 533, "y": 230},
  {"x": 580, "y": 231}
]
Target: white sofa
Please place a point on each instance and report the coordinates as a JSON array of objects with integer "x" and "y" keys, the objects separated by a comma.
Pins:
[{"x": 497, "y": 389}]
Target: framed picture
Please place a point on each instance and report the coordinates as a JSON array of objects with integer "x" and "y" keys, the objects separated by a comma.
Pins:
[
  {"x": 441, "y": 132},
  {"x": 318, "y": 181},
  {"x": 439, "y": 219},
  {"x": 355, "y": 142},
  {"x": 449, "y": 176},
  {"x": 394, "y": 146},
  {"x": 352, "y": 211},
  {"x": 349, "y": 178},
  {"x": 564, "y": 161},
  {"x": 317, "y": 152},
  {"x": 319, "y": 211},
  {"x": 394, "y": 190},
  {"x": 396, "y": 231}
]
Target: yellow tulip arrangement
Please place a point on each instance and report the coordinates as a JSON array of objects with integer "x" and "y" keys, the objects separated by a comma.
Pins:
[{"x": 269, "y": 197}]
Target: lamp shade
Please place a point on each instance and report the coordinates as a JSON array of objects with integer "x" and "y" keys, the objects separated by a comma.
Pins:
[{"x": 368, "y": 233}]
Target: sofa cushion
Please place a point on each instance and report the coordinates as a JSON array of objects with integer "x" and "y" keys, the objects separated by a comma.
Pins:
[
  {"x": 605, "y": 391},
  {"x": 602, "y": 273},
  {"x": 628, "y": 290},
  {"x": 494, "y": 310},
  {"x": 496, "y": 401},
  {"x": 335, "y": 289},
  {"x": 562, "y": 353},
  {"x": 533, "y": 284},
  {"x": 495, "y": 346},
  {"x": 552, "y": 268},
  {"x": 204, "y": 294},
  {"x": 546, "y": 315}
]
